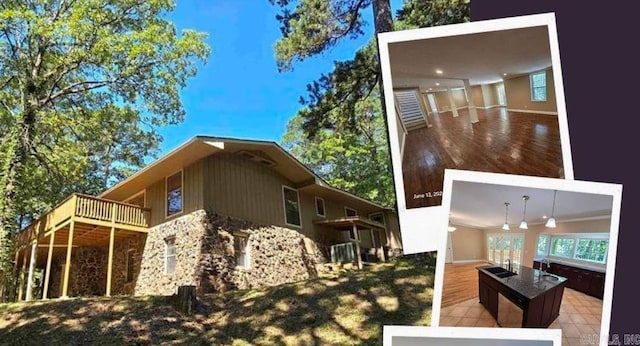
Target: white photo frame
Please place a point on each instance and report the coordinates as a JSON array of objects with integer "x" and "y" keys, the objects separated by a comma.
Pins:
[
  {"x": 605, "y": 189},
  {"x": 419, "y": 226},
  {"x": 467, "y": 336}
]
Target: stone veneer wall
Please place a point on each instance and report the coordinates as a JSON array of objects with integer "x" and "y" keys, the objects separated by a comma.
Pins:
[
  {"x": 119, "y": 284},
  {"x": 277, "y": 255},
  {"x": 205, "y": 255},
  {"x": 188, "y": 231},
  {"x": 88, "y": 274}
]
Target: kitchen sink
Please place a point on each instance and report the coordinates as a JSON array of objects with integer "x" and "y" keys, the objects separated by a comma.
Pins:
[
  {"x": 550, "y": 277},
  {"x": 500, "y": 272},
  {"x": 496, "y": 270}
]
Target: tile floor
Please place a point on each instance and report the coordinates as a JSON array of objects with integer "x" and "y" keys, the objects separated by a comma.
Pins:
[{"x": 579, "y": 319}]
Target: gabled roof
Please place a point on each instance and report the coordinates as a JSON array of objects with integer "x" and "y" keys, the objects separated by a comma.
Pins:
[{"x": 265, "y": 152}]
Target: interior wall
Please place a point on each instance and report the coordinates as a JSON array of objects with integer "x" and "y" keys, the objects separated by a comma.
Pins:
[
  {"x": 490, "y": 95},
  {"x": 460, "y": 98},
  {"x": 518, "y": 92},
  {"x": 478, "y": 98},
  {"x": 442, "y": 101},
  {"x": 468, "y": 244}
]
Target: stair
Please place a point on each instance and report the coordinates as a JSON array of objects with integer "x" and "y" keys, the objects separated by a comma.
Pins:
[{"x": 411, "y": 111}]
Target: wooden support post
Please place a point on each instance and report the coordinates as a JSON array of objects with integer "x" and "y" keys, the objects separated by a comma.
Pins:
[
  {"x": 22, "y": 272},
  {"x": 32, "y": 267},
  {"x": 357, "y": 243},
  {"x": 67, "y": 265},
  {"x": 47, "y": 271},
  {"x": 185, "y": 300},
  {"x": 110, "y": 261}
]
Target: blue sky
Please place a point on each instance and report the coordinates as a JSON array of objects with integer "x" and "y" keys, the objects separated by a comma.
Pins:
[{"x": 239, "y": 92}]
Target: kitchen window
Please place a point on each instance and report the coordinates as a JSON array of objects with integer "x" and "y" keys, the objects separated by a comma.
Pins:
[
  {"x": 538, "y": 86},
  {"x": 589, "y": 247}
]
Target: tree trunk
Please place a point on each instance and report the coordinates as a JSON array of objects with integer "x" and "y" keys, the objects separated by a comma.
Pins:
[{"x": 383, "y": 22}]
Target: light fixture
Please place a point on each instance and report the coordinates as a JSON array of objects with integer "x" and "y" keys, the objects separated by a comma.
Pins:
[
  {"x": 439, "y": 71},
  {"x": 523, "y": 224},
  {"x": 430, "y": 88},
  {"x": 551, "y": 223},
  {"x": 451, "y": 228},
  {"x": 437, "y": 83},
  {"x": 506, "y": 213},
  {"x": 504, "y": 74}
]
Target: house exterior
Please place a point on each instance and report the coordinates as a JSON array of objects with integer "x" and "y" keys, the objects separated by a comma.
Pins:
[{"x": 216, "y": 213}]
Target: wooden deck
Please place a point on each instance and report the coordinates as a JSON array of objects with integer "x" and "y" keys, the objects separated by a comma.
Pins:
[{"x": 79, "y": 220}]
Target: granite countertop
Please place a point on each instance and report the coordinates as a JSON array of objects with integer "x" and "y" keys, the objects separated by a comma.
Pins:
[
  {"x": 572, "y": 264},
  {"x": 528, "y": 282}
]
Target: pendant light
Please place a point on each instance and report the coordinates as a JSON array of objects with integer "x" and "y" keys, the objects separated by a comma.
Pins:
[
  {"x": 523, "y": 224},
  {"x": 451, "y": 228},
  {"x": 551, "y": 222},
  {"x": 506, "y": 214}
]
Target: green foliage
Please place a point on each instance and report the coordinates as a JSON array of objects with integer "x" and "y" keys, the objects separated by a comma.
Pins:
[
  {"x": 313, "y": 26},
  {"x": 83, "y": 87},
  {"x": 340, "y": 132}
]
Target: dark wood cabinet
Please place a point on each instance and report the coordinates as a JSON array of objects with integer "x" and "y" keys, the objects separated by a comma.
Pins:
[
  {"x": 488, "y": 294},
  {"x": 583, "y": 280}
]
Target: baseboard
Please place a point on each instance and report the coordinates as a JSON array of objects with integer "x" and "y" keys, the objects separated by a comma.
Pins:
[
  {"x": 530, "y": 111},
  {"x": 492, "y": 106},
  {"x": 470, "y": 261}
]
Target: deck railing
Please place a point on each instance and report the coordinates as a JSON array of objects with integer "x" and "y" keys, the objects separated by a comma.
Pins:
[{"x": 87, "y": 208}]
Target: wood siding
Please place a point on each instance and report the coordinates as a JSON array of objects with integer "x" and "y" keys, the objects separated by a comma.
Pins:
[{"x": 192, "y": 194}]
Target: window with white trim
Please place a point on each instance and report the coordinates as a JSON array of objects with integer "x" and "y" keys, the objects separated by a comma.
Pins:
[
  {"x": 174, "y": 194},
  {"x": 320, "y": 207},
  {"x": 538, "y": 86},
  {"x": 241, "y": 247},
  {"x": 589, "y": 247},
  {"x": 170, "y": 255},
  {"x": 291, "y": 206}
]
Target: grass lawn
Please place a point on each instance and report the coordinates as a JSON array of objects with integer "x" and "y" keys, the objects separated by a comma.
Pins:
[{"x": 346, "y": 308}]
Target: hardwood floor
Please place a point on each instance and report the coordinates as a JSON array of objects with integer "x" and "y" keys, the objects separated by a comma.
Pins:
[
  {"x": 501, "y": 142},
  {"x": 460, "y": 282}
]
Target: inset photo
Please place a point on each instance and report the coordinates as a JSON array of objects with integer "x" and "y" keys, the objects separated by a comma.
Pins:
[
  {"x": 528, "y": 252},
  {"x": 482, "y": 96},
  {"x": 447, "y": 336}
]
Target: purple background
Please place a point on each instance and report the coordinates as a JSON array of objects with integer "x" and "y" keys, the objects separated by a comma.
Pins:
[{"x": 600, "y": 62}]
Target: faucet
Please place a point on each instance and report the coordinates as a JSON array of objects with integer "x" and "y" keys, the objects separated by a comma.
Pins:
[
  {"x": 542, "y": 265},
  {"x": 509, "y": 266}
]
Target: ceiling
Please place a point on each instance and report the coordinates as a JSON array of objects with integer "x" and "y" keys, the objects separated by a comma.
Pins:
[
  {"x": 482, "y": 58},
  {"x": 481, "y": 205}
]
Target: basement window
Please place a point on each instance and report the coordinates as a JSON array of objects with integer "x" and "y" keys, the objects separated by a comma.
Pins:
[
  {"x": 170, "y": 255},
  {"x": 174, "y": 194},
  {"x": 130, "y": 265},
  {"x": 240, "y": 245},
  {"x": 538, "y": 86}
]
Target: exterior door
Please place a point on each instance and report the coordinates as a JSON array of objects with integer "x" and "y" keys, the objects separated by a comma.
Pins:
[
  {"x": 503, "y": 247},
  {"x": 502, "y": 98},
  {"x": 432, "y": 103}
]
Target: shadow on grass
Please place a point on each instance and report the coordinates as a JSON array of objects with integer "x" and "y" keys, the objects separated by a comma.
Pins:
[{"x": 350, "y": 308}]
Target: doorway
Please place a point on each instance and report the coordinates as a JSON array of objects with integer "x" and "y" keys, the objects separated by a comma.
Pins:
[
  {"x": 449, "y": 255},
  {"x": 432, "y": 103},
  {"x": 501, "y": 247},
  {"x": 502, "y": 98}
]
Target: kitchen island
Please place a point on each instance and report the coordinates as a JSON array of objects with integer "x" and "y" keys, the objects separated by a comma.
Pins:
[{"x": 538, "y": 294}]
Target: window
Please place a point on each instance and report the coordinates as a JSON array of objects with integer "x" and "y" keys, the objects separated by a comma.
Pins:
[
  {"x": 291, "y": 206},
  {"x": 241, "y": 250},
  {"x": 501, "y": 247},
  {"x": 543, "y": 241},
  {"x": 538, "y": 86},
  {"x": 174, "y": 194},
  {"x": 320, "y": 207},
  {"x": 377, "y": 217},
  {"x": 589, "y": 247},
  {"x": 594, "y": 250},
  {"x": 137, "y": 199},
  {"x": 351, "y": 212},
  {"x": 562, "y": 247},
  {"x": 130, "y": 265},
  {"x": 170, "y": 255}
]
